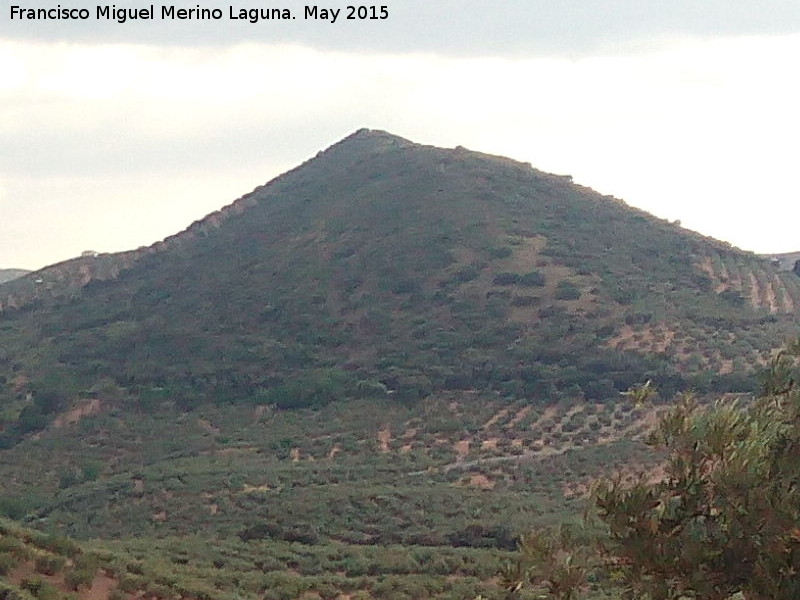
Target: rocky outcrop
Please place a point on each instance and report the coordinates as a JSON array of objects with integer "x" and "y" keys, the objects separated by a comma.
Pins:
[{"x": 63, "y": 279}]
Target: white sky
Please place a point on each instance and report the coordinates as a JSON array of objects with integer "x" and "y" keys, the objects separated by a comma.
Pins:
[{"x": 115, "y": 137}]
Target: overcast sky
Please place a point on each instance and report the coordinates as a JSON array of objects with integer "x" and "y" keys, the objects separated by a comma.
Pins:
[{"x": 117, "y": 135}]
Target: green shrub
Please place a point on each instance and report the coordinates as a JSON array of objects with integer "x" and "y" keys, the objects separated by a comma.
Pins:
[
  {"x": 32, "y": 585},
  {"x": 525, "y": 300},
  {"x": 87, "y": 561},
  {"x": 312, "y": 389},
  {"x": 7, "y": 563},
  {"x": 500, "y": 252},
  {"x": 76, "y": 578},
  {"x": 466, "y": 274},
  {"x": 327, "y": 592},
  {"x": 532, "y": 279},
  {"x": 506, "y": 278},
  {"x": 57, "y": 544},
  {"x": 49, "y": 564},
  {"x": 14, "y": 508},
  {"x": 9, "y": 593},
  {"x": 91, "y": 469},
  {"x": 15, "y": 547},
  {"x": 566, "y": 290},
  {"x": 130, "y": 583},
  {"x": 49, "y": 592},
  {"x": 68, "y": 478}
]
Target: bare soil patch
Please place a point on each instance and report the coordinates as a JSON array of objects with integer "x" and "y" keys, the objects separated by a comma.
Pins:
[
  {"x": 83, "y": 408},
  {"x": 462, "y": 448},
  {"x": 519, "y": 416},
  {"x": 495, "y": 418},
  {"x": 384, "y": 437}
]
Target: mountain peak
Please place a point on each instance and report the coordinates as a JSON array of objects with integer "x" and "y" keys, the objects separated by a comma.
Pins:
[
  {"x": 369, "y": 139},
  {"x": 376, "y": 135},
  {"x": 397, "y": 261}
]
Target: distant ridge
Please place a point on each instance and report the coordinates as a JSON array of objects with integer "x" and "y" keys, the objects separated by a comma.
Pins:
[
  {"x": 784, "y": 261},
  {"x": 9, "y": 274}
]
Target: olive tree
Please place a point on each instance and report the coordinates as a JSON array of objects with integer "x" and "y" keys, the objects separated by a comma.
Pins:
[
  {"x": 723, "y": 521},
  {"x": 725, "y": 518}
]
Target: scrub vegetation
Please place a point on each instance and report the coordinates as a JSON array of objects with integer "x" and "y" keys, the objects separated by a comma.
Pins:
[{"x": 373, "y": 377}]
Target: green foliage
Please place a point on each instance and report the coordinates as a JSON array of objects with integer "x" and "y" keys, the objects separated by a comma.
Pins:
[
  {"x": 77, "y": 578},
  {"x": 31, "y": 419},
  {"x": 732, "y": 297},
  {"x": 8, "y": 592},
  {"x": 566, "y": 290},
  {"x": 15, "y": 508},
  {"x": 500, "y": 252},
  {"x": 334, "y": 269},
  {"x": 294, "y": 382},
  {"x": 507, "y": 278},
  {"x": 7, "y": 563},
  {"x": 532, "y": 279},
  {"x": 13, "y": 546},
  {"x": 554, "y": 562},
  {"x": 313, "y": 389},
  {"x": 725, "y": 520},
  {"x": 466, "y": 274},
  {"x": 262, "y": 531},
  {"x": 49, "y": 564},
  {"x": 56, "y": 543},
  {"x": 91, "y": 469},
  {"x": 33, "y": 585},
  {"x": 68, "y": 478}
]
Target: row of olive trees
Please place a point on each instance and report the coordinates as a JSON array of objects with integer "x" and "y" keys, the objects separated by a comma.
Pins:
[{"x": 723, "y": 521}]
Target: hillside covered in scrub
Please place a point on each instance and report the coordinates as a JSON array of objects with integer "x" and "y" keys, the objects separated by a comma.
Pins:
[
  {"x": 367, "y": 377},
  {"x": 385, "y": 267}
]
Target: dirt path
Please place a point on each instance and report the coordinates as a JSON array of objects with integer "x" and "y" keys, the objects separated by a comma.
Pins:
[
  {"x": 735, "y": 278},
  {"x": 724, "y": 278},
  {"x": 462, "y": 449},
  {"x": 495, "y": 418},
  {"x": 550, "y": 413},
  {"x": 102, "y": 586},
  {"x": 755, "y": 291},
  {"x": 84, "y": 408},
  {"x": 788, "y": 303},
  {"x": 493, "y": 460},
  {"x": 384, "y": 437},
  {"x": 519, "y": 416},
  {"x": 718, "y": 279}
]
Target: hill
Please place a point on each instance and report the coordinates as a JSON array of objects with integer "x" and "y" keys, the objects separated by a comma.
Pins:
[
  {"x": 390, "y": 265},
  {"x": 392, "y": 346}
]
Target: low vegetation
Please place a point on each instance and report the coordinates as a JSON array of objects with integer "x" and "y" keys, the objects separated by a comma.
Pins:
[
  {"x": 720, "y": 521},
  {"x": 390, "y": 373},
  {"x": 386, "y": 268}
]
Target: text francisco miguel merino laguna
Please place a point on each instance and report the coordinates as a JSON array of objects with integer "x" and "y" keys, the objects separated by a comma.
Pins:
[{"x": 253, "y": 15}]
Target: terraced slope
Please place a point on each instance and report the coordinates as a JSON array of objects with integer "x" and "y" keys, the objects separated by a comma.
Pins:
[{"x": 342, "y": 499}]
